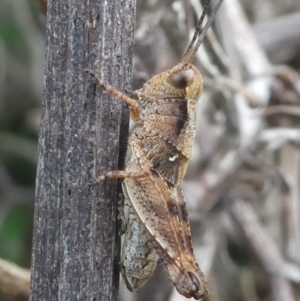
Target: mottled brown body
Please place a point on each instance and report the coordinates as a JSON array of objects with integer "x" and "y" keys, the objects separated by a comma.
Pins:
[
  {"x": 165, "y": 219},
  {"x": 159, "y": 149}
]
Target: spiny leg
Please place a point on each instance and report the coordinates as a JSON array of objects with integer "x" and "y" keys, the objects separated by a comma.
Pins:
[
  {"x": 120, "y": 174},
  {"x": 140, "y": 157},
  {"x": 121, "y": 216},
  {"x": 132, "y": 103}
]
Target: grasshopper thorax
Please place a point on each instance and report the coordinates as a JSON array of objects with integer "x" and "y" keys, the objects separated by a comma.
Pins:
[{"x": 182, "y": 81}]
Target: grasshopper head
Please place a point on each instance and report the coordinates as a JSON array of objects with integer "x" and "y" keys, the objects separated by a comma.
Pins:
[
  {"x": 183, "y": 81},
  {"x": 188, "y": 78}
]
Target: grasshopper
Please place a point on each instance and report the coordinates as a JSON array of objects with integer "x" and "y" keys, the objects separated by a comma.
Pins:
[{"x": 159, "y": 149}]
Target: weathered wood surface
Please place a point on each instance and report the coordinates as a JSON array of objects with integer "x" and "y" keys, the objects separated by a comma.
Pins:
[{"x": 83, "y": 135}]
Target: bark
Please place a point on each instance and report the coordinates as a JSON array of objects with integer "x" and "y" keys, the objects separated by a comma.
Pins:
[{"x": 83, "y": 134}]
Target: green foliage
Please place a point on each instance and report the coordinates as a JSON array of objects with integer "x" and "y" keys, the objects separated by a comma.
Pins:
[{"x": 15, "y": 232}]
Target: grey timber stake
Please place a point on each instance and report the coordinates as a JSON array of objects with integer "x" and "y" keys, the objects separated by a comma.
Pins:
[{"x": 83, "y": 134}]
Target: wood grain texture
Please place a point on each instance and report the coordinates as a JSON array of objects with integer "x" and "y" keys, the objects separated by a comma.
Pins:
[{"x": 83, "y": 135}]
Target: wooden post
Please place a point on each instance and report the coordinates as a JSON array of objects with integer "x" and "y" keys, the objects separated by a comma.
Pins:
[{"x": 83, "y": 134}]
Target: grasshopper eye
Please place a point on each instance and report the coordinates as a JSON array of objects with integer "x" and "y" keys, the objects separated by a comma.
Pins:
[{"x": 181, "y": 79}]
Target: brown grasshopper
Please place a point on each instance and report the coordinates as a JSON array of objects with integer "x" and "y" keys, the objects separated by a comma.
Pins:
[{"x": 159, "y": 149}]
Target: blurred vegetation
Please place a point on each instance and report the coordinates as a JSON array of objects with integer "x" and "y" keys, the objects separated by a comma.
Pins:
[{"x": 22, "y": 28}]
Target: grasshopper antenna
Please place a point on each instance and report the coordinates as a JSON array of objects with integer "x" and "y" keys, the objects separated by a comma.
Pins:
[{"x": 200, "y": 33}]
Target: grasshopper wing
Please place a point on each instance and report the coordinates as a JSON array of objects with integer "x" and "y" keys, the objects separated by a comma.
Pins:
[{"x": 161, "y": 216}]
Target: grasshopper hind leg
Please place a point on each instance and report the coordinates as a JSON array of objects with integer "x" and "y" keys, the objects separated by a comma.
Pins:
[
  {"x": 120, "y": 174},
  {"x": 121, "y": 216},
  {"x": 138, "y": 257}
]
